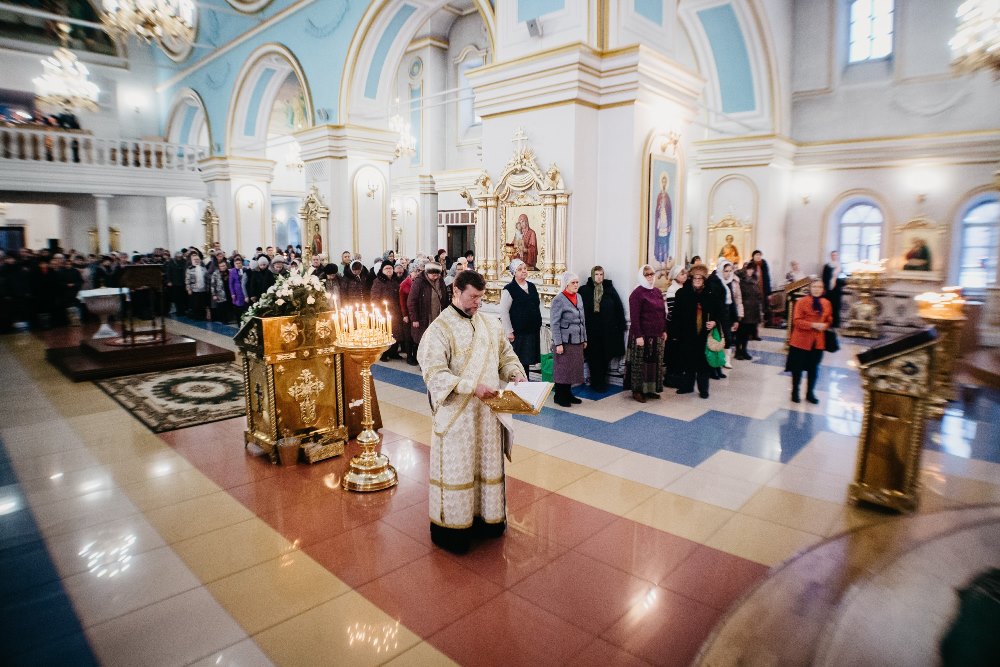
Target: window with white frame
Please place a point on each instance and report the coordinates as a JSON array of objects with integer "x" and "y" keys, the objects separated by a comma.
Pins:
[
  {"x": 870, "y": 30},
  {"x": 861, "y": 233},
  {"x": 977, "y": 266}
]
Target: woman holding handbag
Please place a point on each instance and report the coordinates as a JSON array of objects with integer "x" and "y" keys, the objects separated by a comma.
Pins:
[
  {"x": 810, "y": 320},
  {"x": 569, "y": 339},
  {"x": 647, "y": 333}
]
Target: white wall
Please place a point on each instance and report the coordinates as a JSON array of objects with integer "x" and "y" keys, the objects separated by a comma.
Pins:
[
  {"x": 914, "y": 92},
  {"x": 41, "y": 222}
]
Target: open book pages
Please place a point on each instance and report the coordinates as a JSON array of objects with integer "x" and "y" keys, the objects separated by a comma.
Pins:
[{"x": 521, "y": 397}]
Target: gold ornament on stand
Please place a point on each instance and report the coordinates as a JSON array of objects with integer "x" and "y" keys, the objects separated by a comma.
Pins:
[
  {"x": 364, "y": 334},
  {"x": 864, "y": 280},
  {"x": 944, "y": 311}
]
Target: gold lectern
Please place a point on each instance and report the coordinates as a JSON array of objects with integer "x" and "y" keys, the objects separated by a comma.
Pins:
[
  {"x": 297, "y": 383},
  {"x": 897, "y": 378}
]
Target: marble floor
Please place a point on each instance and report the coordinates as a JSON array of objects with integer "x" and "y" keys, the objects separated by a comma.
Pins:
[{"x": 636, "y": 532}]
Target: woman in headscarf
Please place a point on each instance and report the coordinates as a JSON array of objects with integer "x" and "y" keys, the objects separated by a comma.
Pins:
[
  {"x": 720, "y": 286},
  {"x": 605, "y": 315},
  {"x": 646, "y": 335},
  {"x": 385, "y": 297},
  {"x": 520, "y": 311},
  {"x": 671, "y": 353},
  {"x": 569, "y": 339},
  {"x": 811, "y": 318}
]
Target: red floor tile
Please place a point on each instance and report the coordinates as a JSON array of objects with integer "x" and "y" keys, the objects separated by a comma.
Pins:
[
  {"x": 714, "y": 577},
  {"x": 366, "y": 553},
  {"x": 664, "y": 629},
  {"x": 281, "y": 490},
  {"x": 559, "y": 519},
  {"x": 600, "y": 653},
  {"x": 312, "y": 521},
  {"x": 642, "y": 551},
  {"x": 413, "y": 521},
  {"x": 521, "y": 494},
  {"x": 430, "y": 593},
  {"x": 379, "y": 504},
  {"x": 583, "y": 591},
  {"x": 509, "y": 559},
  {"x": 508, "y": 630}
]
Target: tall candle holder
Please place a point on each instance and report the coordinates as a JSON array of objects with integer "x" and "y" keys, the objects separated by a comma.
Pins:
[
  {"x": 364, "y": 334},
  {"x": 944, "y": 311}
]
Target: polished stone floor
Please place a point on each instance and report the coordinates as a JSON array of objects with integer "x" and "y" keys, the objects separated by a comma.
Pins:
[{"x": 634, "y": 530}]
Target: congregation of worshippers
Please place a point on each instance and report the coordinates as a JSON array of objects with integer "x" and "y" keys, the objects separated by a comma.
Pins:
[{"x": 654, "y": 330}]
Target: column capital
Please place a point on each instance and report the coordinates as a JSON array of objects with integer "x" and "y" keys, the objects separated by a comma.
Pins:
[
  {"x": 228, "y": 167},
  {"x": 344, "y": 141}
]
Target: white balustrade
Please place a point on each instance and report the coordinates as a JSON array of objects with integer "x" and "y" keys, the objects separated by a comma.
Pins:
[{"x": 75, "y": 147}]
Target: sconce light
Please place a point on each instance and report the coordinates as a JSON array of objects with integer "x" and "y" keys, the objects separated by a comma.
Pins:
[
  {"x": 921, "y": 198},
  {"x": 372, "y": 189},
  {"x": 250, "y": 203},
  {"x": 805, "y": 198}
]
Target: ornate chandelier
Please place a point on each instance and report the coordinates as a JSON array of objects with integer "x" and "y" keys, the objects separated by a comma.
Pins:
[
  {"x": 407, "y": 143},
  {"x": 150, "y": 19},
  {"x": 65, "y": 84},
  {"x": 976, "y": 44}
]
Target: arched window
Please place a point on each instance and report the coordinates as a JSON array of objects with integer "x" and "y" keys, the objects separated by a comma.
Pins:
[
  {"x": 861, "y": 233},
  {"x": 980, "y": 240},
  {"x": 870, "y": 30}
]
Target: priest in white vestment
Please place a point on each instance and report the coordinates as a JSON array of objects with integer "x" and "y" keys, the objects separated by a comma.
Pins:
[{"x": 465, "y": 356}]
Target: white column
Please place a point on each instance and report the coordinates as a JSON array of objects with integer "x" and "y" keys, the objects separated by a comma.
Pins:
[{"x": 103, "y": 224}]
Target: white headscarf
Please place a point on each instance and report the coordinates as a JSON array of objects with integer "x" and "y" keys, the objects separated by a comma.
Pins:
[
  {"x": 514, "y": 264},
  {"x": 676, "y": 271},
  {"x": 564, "y": 279},
  {"x": 643, "y": 282},
  {"x": 719, "y": 268}
]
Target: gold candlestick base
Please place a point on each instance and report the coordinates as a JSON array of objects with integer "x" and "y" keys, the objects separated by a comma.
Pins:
[{"x": 369, "y": 471}]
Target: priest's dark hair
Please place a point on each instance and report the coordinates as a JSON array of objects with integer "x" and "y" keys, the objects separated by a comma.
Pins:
[{"x": 473, "y": 278}]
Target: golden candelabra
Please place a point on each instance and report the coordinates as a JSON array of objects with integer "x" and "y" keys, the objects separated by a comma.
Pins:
[
  {"x": 364, "y": 334},
  {"x": 864, "y": 280},
  {"x": 944, "y": 311}
]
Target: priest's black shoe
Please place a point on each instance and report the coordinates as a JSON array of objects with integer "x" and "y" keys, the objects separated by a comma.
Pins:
[
  {"x": 488, "y": 530},
  {"x": 455, "y": 540}
]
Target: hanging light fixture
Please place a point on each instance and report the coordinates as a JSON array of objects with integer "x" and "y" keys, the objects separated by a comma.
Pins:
[
  {"x": 65, "y": 83},
  {"x": 407, "y": 143},
  {"x": 976, "y": 44},
  {"x": 150, "y": 20}
]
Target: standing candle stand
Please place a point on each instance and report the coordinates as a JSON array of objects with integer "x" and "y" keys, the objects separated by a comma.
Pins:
[
  {"x": 363, "y": 335},
  {"x": 864, "y": 280},
  {"x": 943, "y": 311}
]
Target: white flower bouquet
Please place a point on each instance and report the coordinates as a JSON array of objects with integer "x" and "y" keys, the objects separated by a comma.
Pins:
[{"x": 296, "y": 294}]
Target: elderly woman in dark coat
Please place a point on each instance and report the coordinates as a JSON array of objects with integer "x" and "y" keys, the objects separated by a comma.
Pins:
[
  {"x": 569, "y": 339},
  {"x": 605, "y": 316},
  {"x": 352, "y": 285},
  {"x": 753, "y": 310},
  {"x": 521, "y": 314},
  {"x": 428, "y": 297},
  {"x": 646, "y": 335},
  {"x": 385, "y": 296}
]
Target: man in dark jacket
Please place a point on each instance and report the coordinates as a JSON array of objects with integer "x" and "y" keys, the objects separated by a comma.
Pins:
[{"x": 427, "y": 299}]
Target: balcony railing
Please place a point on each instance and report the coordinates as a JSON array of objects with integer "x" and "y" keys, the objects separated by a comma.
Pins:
[{"x": 80, "y": 147}]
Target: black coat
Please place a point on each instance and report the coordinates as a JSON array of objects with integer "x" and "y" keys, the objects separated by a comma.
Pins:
[
  {"x": 684, "y": 330},
  {"x": 606, "y": 328}
]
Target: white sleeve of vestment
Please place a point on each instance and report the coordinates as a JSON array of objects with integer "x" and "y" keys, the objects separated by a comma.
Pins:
[
  {"x": 505, "y": 303},
  {"x": 433, "y": 355}
]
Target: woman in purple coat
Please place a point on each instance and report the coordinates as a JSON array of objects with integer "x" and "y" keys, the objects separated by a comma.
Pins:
[{"x": 647, "y": 333}]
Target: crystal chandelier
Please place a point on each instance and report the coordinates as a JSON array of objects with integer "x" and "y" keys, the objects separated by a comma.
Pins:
[
  {"x": 976, "y": 44},
  {"x": 149, "y": 19},
  {"x": 406, "y": 144},
  {"x": 65, "y": 83}
]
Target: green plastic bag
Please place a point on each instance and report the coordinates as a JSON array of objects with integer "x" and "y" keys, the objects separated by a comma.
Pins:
[
  {"x": 716, "y": 358},
  {"x": 547, "y": 367}
]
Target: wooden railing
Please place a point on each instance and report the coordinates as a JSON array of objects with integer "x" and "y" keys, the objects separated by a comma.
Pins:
[{"x": 81, "y": 147}]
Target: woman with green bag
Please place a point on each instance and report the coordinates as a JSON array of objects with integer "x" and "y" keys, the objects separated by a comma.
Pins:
[{"x": 697, "y": 311}]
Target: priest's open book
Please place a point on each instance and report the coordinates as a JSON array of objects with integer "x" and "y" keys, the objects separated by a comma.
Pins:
[{"x": 523, "y": 398}]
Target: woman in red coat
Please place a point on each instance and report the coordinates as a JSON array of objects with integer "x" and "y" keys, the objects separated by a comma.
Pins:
[{"x": 812, "y": 316}]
